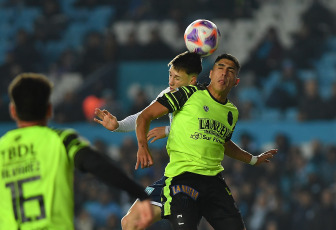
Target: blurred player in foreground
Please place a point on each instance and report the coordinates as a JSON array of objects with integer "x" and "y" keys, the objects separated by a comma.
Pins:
[
  {"x": 184, "y": 70},
  {"x": 37, "y": 165},
  {"x": 200, "y": 135}
]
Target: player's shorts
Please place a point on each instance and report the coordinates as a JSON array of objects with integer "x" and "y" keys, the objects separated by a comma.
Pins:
[
  {"x": 154, "y": 191},
  {"x": 188, "y": 197}
]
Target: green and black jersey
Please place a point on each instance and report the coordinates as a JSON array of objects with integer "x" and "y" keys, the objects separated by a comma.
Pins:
[
  {"x": 200, "y": 127},
  {"x": 37, "y": 169}
]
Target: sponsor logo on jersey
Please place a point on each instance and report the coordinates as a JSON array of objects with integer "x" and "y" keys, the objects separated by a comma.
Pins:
[
  {"x": 214, "y": 127},
  {"x": 185, "y": 189}
]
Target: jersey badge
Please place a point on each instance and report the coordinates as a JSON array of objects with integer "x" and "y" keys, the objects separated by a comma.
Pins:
[
  {"x": 206, "y": 108},
  {"x": 149, "y": 190}
]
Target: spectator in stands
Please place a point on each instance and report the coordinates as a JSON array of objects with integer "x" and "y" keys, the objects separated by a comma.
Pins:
[
  {"x": 282, "y": 143},
  {"x": 311, "y": 105},
  {"x": 156, "y": 48},
  {"x": 67, "y": 63},
  {"x": 111, "y": 47},
  {"x": 132, "y": 49},
  {"x": 89, "y": 4},
  {"x": 25, "y": 54},
  {"x": 70, "y": 110},
  {"x": 111, "y": 103},
  {"x": 328, "y": 168},
  {"x": 326, "y": 212},
  {"x": 101, "y": 209},
  {"x": 140, "y": 101},
  {"x": 319, "y": 18},
  {"x": 285, "y": 88},
  {"x": 331, "y": 103},
  {"x": 52, "y": 22},
  {"x": 8, "y": 70},
  {"x": 304, "y": 211},
  {"x": 93, "y": 54},
  {"x": 307, "y": 46},
  {"x": 266, "y": 55}
]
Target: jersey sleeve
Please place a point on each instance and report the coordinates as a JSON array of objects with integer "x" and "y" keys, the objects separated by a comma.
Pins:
[
  {"x": 127, "y": 124},
  {"x": 72, "y": 142},
  {"x": 176, "y": 99}
]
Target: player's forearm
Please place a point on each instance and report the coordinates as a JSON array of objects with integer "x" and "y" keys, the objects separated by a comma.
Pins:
[
  {"x": 128, "y": 124},
  {"x": 142, "y": 127},
  {"x": 234, "y": 151},
  {"x": 100, "y": 165}
]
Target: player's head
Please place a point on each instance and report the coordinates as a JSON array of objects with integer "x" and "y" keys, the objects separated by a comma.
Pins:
[
  {"x": 228, "y": 66},
  {"x": 184, "y": 69},
  {"x": 29, "y": 95}
]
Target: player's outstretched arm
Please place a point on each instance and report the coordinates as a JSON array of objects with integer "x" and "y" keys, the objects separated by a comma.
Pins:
[
  {"x": 155, "y": 110},
  {"x": 106, "y": 119},
  {"x": 158, "y": 133},
  {"x": 234, "y": 151}
]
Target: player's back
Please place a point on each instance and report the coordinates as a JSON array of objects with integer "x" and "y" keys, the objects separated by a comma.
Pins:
[{"x": 36, "y": 185}]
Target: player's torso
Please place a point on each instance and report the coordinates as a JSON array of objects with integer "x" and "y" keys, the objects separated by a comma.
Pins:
[
  {"x": 36, "y": 180},
  {"x": 198, "y": 133}
]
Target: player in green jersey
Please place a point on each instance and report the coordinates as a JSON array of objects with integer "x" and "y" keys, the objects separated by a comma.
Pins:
[
  {"x": 184, "y": 70},
  {"x": 200, "y": 136},
  {"x": 37, "y": 164}
]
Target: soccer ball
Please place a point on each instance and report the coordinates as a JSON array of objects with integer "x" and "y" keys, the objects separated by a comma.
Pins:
[{"x": 202, "y": 37}]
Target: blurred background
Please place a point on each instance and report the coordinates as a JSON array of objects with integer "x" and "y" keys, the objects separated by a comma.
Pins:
[{"x": 113, "y": 54}]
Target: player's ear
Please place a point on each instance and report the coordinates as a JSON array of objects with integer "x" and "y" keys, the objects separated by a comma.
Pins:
[
  {"x": 193, "y": 80},
  {"x": 12, "y": 111}
]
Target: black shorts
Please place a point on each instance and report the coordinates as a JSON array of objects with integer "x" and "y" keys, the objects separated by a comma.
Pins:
[
  {"x": 188, "y": 197},
  {"x": 154, "y": 191}
]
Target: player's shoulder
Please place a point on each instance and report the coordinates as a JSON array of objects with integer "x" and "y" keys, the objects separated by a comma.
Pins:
[
  {"x": 64, "y": 132},
  {"x": 189, "y": 88},
  {"x": 166, "y": 90}
]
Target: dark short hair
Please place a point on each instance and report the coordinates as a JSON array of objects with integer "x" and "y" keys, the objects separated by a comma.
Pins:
[
  {"x": 30, "y": 93},
  {"x": 189, "y": 62},
  {"x": 229, "y": 57}
]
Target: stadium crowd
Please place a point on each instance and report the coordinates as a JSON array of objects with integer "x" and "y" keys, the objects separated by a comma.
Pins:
[{"x": 295, "y": 191}]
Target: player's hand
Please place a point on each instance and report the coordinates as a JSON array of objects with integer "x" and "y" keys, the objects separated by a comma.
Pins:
[
  {"x": 144, "y": 158},
  {"x": 144, "y": 211},
  {"x": 107, "y": 120},
  {"x": 266, "y": 156},
  {"x": 156, "y": 133}
]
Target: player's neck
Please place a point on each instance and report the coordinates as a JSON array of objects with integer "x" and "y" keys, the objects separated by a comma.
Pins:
[
  {"x": 220, "y": 96},
  {"x": 23, "y": 124}
]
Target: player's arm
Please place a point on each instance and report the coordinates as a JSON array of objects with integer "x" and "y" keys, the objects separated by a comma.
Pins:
[
  {"x": 158, "y": 133},
  {"x": 100, "y": 165},
  {"x": 234, "y": 151},
  {"x": 111, "y": 123},
  {"x": 152, "y": 112},
  {"x": 89, "y": 160}
]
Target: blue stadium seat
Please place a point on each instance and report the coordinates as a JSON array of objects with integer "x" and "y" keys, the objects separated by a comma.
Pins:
[
  {"x": 75, "y": 34},
  {"x": 6, "y": 14},
  {"x": 53, "y": 50},
  {"x": 291, "y": 114},
  {"x": 26, "y": 18},
  {"x": 7, "y": 31},
  {"x": 271, "y": 115},
  {"x": 100, "y": 17},
  {"x": 251, "y": 94}
]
